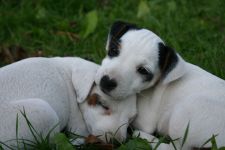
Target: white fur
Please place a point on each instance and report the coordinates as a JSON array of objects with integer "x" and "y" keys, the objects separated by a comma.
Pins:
[
  {"x": 54, "y": 90},
  {"x": 197, "y": 97},
  {"x": 187, "y": 94},
  {"x": 122, "y": 113},
  {"x": 132, "y": 54}
]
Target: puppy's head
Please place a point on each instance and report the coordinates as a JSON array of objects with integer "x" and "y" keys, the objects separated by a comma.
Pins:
[
  {"x": 136, "y": 60},
  {"x": 106, "y": 117}
]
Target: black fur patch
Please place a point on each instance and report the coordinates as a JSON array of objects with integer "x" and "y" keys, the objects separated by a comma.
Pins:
[
  {"x": 167, "y": 59},
  {"x": 145, "y": 73},
  {"x": 118, "y": 29},
  {"x": 114, "y": 47}
]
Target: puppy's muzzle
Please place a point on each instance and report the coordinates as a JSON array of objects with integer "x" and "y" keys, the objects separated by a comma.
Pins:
[{"x": 107, "y": 84}]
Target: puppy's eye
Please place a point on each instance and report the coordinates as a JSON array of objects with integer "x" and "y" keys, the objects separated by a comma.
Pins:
[
  {"x": 113, "y": 52},
  {"x": 142, "y": 71}
]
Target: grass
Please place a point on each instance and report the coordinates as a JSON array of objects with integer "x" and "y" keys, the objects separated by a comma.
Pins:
[
  {"x": 63, "y": 141},
  {"x": 54, "y": 28},
  {"x": 196, "y": 29}
]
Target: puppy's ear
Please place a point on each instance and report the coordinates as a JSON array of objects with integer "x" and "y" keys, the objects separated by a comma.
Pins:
[
  {"x": 83, "y": 79},
  {"x": 117, "y": 30},
  {"x": 171, "y": 65}
]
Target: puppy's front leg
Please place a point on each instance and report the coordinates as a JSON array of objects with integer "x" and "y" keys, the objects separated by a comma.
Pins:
[{"x": 154, "y": 141}]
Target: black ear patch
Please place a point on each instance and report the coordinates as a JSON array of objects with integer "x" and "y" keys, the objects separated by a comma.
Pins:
[
  {"x": 118, "y": 29},
  {"x": 167, "y": 59}
]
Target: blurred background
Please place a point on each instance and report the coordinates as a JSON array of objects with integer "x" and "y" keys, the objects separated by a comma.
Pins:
[{"x": 30, "y": 28}]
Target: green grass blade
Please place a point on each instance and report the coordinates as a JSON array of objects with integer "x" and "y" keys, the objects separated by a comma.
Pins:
[
  {"x": 17, "y": 127},
  {"x": 50, "y": 131},
  {"x": 207, "y": 141},
  {"x": 118, "y": 129},
  {"x": 214, "y": 144},
  {"x": 31, "y": 128},
  {"x": 185, "y": 135},
  {"x": 143, "y": 9},
  {"x": 174, "y": 146},
  {"x": 6, "y": 145},
  {"x": 91, "y": 22},
  {"x": 1, "y": 148},
  {"x": 62, "y": 142},
  {"x": 74, "y": 134},
  {"x": 159, "y": 142},
  {"x": 24, "y": 146}
]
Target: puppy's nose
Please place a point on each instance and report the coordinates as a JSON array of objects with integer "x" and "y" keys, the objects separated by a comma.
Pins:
[{"x": 107, "y": 84}]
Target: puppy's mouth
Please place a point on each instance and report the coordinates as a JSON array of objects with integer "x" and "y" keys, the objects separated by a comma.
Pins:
[
  {"x": 105, "y": 92},
  {"x": 109, "y": 95}
]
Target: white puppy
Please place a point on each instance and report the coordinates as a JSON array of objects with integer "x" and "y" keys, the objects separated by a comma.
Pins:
[
  {"x": 59, "y": 90},
  {"x": 172, "y": 92}
]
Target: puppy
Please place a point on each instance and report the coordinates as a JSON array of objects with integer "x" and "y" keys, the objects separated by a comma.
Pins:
[
  {"x": 172, "y": 93},
  {"x": 59, "y": 91}
]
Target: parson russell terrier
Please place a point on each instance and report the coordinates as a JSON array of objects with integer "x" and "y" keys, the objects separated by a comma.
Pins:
[
  {"x": 172, "y": 93},
  {"x": 59, "y": 91}
]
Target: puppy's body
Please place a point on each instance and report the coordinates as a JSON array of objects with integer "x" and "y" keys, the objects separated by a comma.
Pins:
[
  {"x": 47, "y": 81},
  {"x": 198, "y": 98},
  {"x": 54, "y": 91},
  {"x": 171, "y": 91}
]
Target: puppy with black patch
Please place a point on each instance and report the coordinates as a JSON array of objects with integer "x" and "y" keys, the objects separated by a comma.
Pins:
[
  {"x": 172, "y": 93},
  {"x": 59, "y": 91}
]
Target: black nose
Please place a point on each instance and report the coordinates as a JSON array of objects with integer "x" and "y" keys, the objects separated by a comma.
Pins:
[{"x": 107, "y": 84}]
